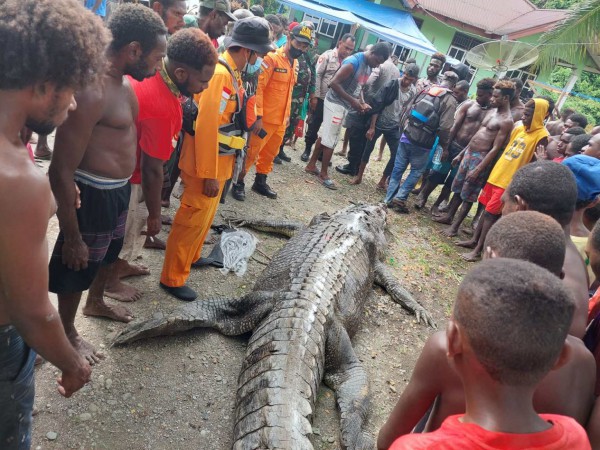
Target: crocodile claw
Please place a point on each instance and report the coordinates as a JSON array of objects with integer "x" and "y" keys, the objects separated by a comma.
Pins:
[{"x": 425, "y": 317}]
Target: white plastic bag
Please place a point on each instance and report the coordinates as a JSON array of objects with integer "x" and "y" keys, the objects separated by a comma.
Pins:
[{"x": 237, "y": 247}]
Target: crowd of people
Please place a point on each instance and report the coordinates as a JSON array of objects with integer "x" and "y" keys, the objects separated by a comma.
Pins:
[{"x": 153, "y": 95}]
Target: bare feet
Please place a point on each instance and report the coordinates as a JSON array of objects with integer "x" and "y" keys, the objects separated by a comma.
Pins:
[
  {"x": 435, "y": 211},
  {"x": 381, "y": 188},
  {"x": 446, "y": 220},
  {"x": 312, "y": 170},
  {"x": 39, "y": 360},
  {"x": 467, "y": 231},
  {"x": 378, "y": 158},
  {"x": 122, "y": 292},
  {"x": 84, "y": 348},
  {"x": 449, "y": 232},
  {"x": 467, "y": 244},
  {"x": 356, "y": 180},
  {"x": 42, "y": 152},
  {"x": 154, "y": 242},
  {"x": 131, "y": 270},
  {"x": 340, "y": 153},
  {"x": 102, "y": 309},
  {"x": 471, "y": 256},
  {"x": 166, "y": 220},
  {"x": 165, "y": 203}
]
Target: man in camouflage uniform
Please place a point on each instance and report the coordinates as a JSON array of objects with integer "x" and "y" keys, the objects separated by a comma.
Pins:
[{"x": 306, "y": 84}]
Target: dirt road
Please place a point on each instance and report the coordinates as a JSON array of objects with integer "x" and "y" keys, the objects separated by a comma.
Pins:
[{"x": 179, "y": 392}]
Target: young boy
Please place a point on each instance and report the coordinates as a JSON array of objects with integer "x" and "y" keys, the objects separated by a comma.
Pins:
[
  {"x": 551, "y": 189},
  {"x": 587, "y": 175},
  {"x": 500, "y": 376},
  {"x": 529, "y": 236}
]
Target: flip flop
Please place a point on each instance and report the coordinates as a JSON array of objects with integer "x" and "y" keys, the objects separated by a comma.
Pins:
[
  {"x": 328, "y": 184},
  {"x": 315, "y": 172}
]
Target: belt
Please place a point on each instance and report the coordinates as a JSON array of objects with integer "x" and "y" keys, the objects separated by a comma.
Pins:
[{"x": 234, "y": 142}]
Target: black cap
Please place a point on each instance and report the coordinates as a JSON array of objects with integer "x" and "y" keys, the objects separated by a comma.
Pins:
[
  {"x": 257, "y": 10},
  {"x": 302, "y": 33},
  {"x": 252, "y": 33},
  {"x": 460, "y": 69}
]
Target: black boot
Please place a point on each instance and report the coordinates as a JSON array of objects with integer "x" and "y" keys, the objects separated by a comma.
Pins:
[
  {"x": 306, "y": 155},
  {"x": 261, "y": 187},
  {"x": 283, "y": 156},
  {"x": 237, "y": 191},
  {"x": 346, "y": 169}
]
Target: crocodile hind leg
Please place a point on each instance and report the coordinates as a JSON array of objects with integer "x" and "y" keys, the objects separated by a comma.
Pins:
[
  {"x": 229, "y": 316},
  {"x": 385, "y": 279},
  {"x": 347, "y": 377}
]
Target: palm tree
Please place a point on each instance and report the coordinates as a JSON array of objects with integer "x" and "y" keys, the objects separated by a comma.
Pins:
[{"x": 572, "y": 38}]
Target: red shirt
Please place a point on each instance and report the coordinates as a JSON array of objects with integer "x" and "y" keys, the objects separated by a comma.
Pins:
[
  {"x": 158, "y": 122},
  {"x": 565, "y": 434}
]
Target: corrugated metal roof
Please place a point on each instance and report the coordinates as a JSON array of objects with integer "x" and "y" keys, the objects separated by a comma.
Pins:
[{"x": 494, "y": 17}]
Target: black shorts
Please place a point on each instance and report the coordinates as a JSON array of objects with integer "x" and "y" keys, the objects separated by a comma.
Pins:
[{"x": 101, "y": 219}]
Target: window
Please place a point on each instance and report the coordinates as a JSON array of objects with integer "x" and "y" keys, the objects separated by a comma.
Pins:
[
  {"x": 525, "y": 74},
  {"x": 314, "y": 19},
  {"x": 398, "y": 50},
  {"x": 461, "y": 44},
  {"x": 328, "y": 28}
]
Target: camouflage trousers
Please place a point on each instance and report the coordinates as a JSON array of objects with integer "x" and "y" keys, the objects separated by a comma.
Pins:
[{"x": 295, "y": 111}]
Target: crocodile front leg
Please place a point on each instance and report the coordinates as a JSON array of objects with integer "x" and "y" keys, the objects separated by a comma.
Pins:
[
  {"x": 385, "y": 279},
  {"x": 347, "y": 377},
  {"x": 229, "y": 316}
]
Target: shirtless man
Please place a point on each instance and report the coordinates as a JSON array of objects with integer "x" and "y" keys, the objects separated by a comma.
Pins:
[
  {"x": 67, "y": 44},
  {"x": 568, "y": 390},
  {"x": 478, "y": 157},
  {"x": 467, "y": 121},
  {"x": 96, "y": 148},
  {"x": 516, "y": 105},
  {"x": 555, "y": 127}
]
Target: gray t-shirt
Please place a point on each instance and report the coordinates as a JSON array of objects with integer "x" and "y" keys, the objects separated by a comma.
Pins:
[
  {"x": 354, "y": 83},
  {"x": 391, "y": 115}
]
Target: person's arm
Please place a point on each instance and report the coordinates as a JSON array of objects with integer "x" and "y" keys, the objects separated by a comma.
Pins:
[
  {"x": 448, "y": 108},
  {"x": 345, "y": 72},
  {"x": 499, "y": 143},
  {"x": 266, "y": 73},
  {"x": 371, "y": 130},
  {"x": 424, "y": 386},
  {"x": 322, "y": 64},
  {"x": 312, "y": 86},
  {"x": 71, "y": 142},
  {"x": 459, "y": 119},
  {"x": 152, "y": 182},
  {"x": 24, "y": 279}
]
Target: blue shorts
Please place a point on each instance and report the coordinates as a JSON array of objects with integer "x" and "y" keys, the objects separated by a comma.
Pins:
[{"x": 17, "y": 390}]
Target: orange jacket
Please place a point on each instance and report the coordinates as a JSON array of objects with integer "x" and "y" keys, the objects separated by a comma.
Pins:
[
  {"x": 274, "y": 90},
  {"x": 200, "y": 153}
]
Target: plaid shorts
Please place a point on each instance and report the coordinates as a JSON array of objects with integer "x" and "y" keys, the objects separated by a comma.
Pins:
[{"x": 469, "y": 190}]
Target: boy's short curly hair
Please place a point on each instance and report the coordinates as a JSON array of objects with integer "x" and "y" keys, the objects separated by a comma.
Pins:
[
  {"x": 56, "y": 41},
  {"x": 135, "y": 23},
  {"x": 192, "y": 47}
]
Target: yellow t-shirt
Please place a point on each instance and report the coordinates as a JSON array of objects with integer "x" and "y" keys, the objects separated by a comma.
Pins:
[
  {"x": 521, "y": 147},
  {"x": 580, "y": 242}
]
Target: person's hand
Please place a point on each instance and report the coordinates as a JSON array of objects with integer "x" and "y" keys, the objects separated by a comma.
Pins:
[
  {"x": 370, "y": 134},
  {"x": 473, "y": 174},
  {"x": 313, "y": 103},
  {"x": 445, "y": 155},
  {"x": 456, "y": 161},
  {"x": 71, "y": 382},
  {"x": 77, "y": 197},
  {"x": 153, "y": 226},
  {"x": 75, "y": 254},
  {"x": 356, "y": 105},
  {"x": 257, "y": 127},
  {"x": 540, "y": 152},
  {"x": 211, "y": 187},
  {"x": 365, "y": 108}
]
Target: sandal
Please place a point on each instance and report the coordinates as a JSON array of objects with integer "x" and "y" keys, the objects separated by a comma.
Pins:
[
  {"x": 315, "y": 172},
  {"x": 328, "y": 184}
]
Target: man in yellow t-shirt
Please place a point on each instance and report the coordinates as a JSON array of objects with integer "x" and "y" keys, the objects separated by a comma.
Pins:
[
  {"x": 208, "y": 157},
  {"x": 522, "y": 144}
]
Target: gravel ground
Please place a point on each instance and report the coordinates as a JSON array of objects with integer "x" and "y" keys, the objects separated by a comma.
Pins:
[{"x": 179, "y": 392}]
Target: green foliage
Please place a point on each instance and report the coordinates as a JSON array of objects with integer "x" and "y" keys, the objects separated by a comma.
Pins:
[
  {"x": 555, "y": 4},
  {"x": 588, "y": 83},
  {"x": 270, "y": 6}
]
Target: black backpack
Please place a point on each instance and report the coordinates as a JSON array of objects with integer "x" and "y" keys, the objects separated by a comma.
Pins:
[{"x": 423, "y": 120}]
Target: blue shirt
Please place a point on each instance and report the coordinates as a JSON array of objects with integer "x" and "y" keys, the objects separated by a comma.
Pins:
[
  {"x": 353, "y": 84},
  {"x": 281, "y": 41},
  {"x": 89, "y": 4}
]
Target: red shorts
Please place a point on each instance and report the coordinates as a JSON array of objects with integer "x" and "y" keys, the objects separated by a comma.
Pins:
[{"x": 491, "y": 198}]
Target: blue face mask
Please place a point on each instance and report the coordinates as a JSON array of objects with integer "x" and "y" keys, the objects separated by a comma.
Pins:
[{"x": 253, "y": 68}]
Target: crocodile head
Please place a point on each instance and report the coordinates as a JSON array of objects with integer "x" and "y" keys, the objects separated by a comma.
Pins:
[{"x": 369, "y": 221}]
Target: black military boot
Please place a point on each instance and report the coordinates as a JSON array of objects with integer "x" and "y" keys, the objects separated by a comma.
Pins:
[
  {"x": 261, "y": 187},
  {"x": 283, "y": 156},
  {"x": 306, "y": 155},
  {"x": 237, "y": 191}
]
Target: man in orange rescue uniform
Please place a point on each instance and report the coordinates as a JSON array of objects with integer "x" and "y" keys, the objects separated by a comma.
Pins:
[
  {"x": 208, "y": 157},
  {"x": 273, "y": 102}
]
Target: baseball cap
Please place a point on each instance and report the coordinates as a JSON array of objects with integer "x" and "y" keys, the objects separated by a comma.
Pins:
[
  {"x": 190, "y": 21},
  {"x": 292, "y": 25},
  {"x": 252, "y": 33},
  {"x": 460, "y": 69},
  {"x": 587, "y": 174},
  {"x": 302, "y": 33},
  {"x": 219, "y": 5}
]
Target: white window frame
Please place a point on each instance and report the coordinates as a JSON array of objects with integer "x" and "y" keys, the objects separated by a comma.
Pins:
[
  {"x": 328, "y": 23},
  {"x": 518, "y": 73},
  {"x": 395, "y": 47},
  {"x": 463, "y": 59},
  {"x": 314, "y": 19}
]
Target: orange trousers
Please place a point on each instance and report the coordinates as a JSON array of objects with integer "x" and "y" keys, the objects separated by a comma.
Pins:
[
  {"x": 263, "y": 151},
  {"x": 188, "y": 232}
]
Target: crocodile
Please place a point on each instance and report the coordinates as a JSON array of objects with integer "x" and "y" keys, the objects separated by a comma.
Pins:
[{"x": 302, "y": 312}]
